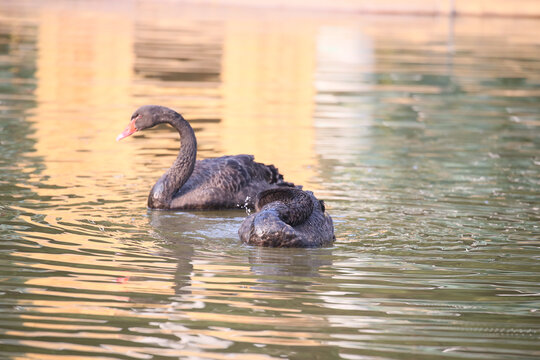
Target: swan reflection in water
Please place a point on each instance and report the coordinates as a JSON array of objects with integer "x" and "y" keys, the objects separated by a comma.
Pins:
[{"x": 182, "y": 235}]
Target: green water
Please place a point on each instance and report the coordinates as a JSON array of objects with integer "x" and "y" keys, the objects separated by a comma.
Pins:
[{"x": 422, "y": 135}]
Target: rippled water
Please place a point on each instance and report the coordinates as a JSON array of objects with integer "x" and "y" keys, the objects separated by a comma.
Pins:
[{"x": 421, "y": 134}]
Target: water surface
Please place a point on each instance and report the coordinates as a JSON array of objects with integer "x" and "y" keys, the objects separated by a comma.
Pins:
[{"x": 421, "y": 134}]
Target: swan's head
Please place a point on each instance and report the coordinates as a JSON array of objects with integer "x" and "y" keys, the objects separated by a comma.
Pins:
[{"x": 145, "y": 117}]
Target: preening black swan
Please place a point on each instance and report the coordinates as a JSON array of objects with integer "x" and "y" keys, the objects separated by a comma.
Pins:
[
  {"x": 210, "y": 184},
  {"x": 287, "y": 217}
]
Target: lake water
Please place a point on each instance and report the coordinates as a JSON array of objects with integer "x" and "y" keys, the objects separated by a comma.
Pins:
[{"x": 422, "y": 135}]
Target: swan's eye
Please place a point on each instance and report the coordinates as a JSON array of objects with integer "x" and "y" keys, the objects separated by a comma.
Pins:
[{"x": 134, "y": 116}]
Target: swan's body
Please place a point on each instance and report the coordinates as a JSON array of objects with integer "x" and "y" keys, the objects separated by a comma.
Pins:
[
  {"x": 218, "y": 183},
  {"x": 288, "y": 217}
]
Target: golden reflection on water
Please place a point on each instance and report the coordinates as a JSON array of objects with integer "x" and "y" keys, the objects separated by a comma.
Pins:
[
  {"x": 268, "y": 69},
  {"x": 261, "y": 81},
  {"x": 84, "y": 70},
  {"x": 142, "y": 352},
  {"x": 91, "y": 62}
]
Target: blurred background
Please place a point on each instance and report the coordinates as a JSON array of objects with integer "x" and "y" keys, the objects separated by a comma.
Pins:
[{"x": 246, "y": 72}]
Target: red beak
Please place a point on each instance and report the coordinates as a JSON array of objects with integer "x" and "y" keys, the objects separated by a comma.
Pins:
[{"x": 128, "y": 131}]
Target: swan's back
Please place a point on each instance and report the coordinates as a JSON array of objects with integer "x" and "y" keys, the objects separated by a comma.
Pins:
[
  {"x": 288, "y": 217},
  {"x": 227, "y": 182}
]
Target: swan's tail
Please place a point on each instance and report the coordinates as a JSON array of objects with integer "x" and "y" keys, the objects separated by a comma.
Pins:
[
  {"x": 260, "y": 171},
  {"x": 277, "y": 178}
]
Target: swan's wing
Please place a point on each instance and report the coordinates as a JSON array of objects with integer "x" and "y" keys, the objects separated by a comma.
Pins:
[
  {"x": 258, "y": 171},
  {"x": 216, "y": 183},
  {"x": 226, "y": 182},
  {"x": 230, "y": 173},
  {"x": 204, "y": 198}
]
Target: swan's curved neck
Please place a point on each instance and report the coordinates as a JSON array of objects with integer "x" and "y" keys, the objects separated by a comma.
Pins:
[{"x": 176, "y": 176}]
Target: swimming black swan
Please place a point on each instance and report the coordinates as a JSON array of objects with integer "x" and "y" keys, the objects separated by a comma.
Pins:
[
  {"x": 287, "y": 217},
  {"x": 218, "y": 183}
]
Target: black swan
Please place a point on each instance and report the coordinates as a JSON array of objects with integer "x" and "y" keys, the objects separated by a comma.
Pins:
[
  {"x": 210, "y": 184},
  {"x": 287, "y": 217}
]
